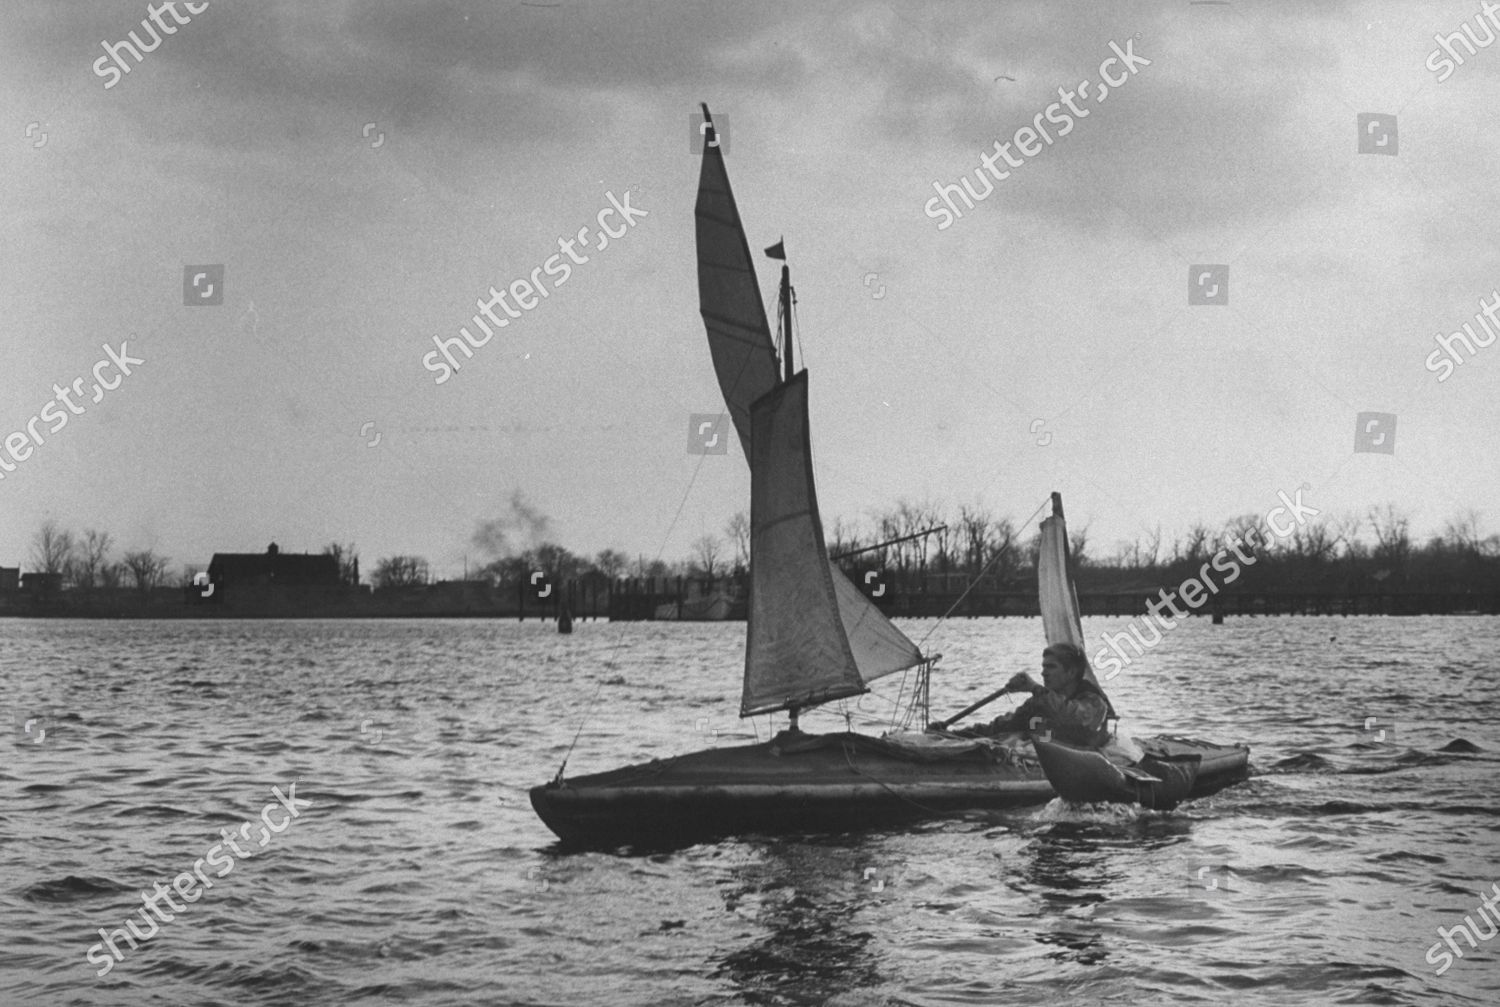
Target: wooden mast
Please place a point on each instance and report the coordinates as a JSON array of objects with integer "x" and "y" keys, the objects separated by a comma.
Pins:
[{"x": 784, "y": 311}]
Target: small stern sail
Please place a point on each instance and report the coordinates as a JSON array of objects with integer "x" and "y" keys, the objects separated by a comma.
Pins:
[{"x": 1055, "y": 591}]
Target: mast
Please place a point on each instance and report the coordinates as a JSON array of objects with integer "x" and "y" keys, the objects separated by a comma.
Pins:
[
  {"x": 790, "y": 665},
  {"x": 786, "y": 319}
]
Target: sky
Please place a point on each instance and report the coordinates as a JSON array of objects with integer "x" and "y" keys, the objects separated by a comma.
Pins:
[{"x": 334, "y": 184}]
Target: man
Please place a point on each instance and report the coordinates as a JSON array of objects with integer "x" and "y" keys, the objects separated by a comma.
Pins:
[
  {"x": 1069, "y": 705},
  {"x": 1075, "y": 710}
]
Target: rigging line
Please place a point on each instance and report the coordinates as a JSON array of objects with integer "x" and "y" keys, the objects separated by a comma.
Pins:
[
  {"x": 974, "y": 583},
  {"x": 916, "y": 695},
  {"x": 894, "y": 793},
  {"x": 896, "y": 707},
  {"x": 609, "y": 662},
  {"x": 796, "y": 328},
  {"x": 568, "y": 754}
]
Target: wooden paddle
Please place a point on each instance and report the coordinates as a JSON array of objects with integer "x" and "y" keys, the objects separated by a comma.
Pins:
[{"x": 942, "y": 725}]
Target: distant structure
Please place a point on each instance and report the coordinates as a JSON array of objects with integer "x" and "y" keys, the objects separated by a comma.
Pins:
[
  {"x": 10, "y": 579},
  {"x": 42, "y": 584},
  {"x": 273, "y": 568}
]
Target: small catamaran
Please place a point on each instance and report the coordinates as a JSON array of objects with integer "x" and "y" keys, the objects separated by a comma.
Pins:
[{"x": 813, "y": 637}]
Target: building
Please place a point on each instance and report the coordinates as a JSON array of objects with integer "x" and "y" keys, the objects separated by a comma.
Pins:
[
  {"x": 273, "y": 568},
  {"x": 10, "y": 578},
  {"x": 41, "y": 583}
]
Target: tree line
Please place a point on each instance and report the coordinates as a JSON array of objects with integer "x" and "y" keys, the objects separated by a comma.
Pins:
[
  {"x": 970, "y": 543},
  {"x": 86, "y": 562}
]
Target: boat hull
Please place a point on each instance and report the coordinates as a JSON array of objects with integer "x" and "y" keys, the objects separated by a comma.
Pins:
[
  {"x": 833, "y": 783},
  {"x": 797, "y": 784},
  {"x": 1184, "y": 770}
]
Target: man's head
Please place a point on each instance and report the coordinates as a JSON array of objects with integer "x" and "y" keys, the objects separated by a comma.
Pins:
[{"x": 1063, "y": 667}]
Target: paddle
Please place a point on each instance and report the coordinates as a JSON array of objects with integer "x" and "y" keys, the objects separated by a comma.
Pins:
[{"x": 942, "y": 725}]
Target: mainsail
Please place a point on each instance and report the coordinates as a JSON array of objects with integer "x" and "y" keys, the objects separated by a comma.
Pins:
[
  {"x": 1055, "y": 591},
  {"x": 728, "y": 294},
  {"x": 797, "y": 654},
  {"x": 744, "y": 357}
]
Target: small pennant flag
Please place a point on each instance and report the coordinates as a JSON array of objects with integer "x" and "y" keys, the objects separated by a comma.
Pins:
[{"x": 777, "y": 251}]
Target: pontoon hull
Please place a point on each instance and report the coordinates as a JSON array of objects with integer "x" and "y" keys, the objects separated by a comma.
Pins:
[
  {"x": 1196, "y": 769},
  {"x": 810, "y": 783},
  {"x": 814, "y": 783}
]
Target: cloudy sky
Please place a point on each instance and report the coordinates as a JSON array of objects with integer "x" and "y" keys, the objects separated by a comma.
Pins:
[{"x": 363, "y": 172}]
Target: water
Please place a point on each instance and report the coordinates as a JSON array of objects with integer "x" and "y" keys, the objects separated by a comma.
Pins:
[{"x": 418, "y": 873}]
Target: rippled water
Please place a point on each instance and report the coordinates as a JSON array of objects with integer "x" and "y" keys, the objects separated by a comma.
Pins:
[{"x": 419, "y": 874}]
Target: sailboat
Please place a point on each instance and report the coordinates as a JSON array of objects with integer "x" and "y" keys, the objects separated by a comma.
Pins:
[
  {"x": 812, "y": 636},
  {"x": 1157, "y": 773}
]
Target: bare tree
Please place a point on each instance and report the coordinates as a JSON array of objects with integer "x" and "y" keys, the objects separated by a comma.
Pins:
[
  {"x": 90, "y": 557},
  {"x": 888, "y": 527},
  {"x": 51, "y": 549},
  {"x": 558, "y": 563},
  {"x": 1461, "y": 533},
  {"x": 974, "y": 525},
  {"x": 1078, "y": 546},
  {"x": 1346, "y": 534},
  {"x": 111, "y": 575},
  {"x": 706, "y": 554},
  {"x": 1193, "y": 547},
  {"x": 738, "y": 531},
  {"x": 610, "y": 563},
  {"x": 399, "y": 571},
  {"x": 915, "y": 518},
  {"x": 946, "y": 537},
  {"x": 1392, "y": 534},
  {"x": 1152, "y": 551},
  {"x": 1243, "y": 535},
  {"x": 1001, "y": 549},
  {"x": 1315, "y": 540},
  {"x": 1139, "y": 553},
  {"x": 146, "y": 569},
  {"x": 347, "y": 558}
]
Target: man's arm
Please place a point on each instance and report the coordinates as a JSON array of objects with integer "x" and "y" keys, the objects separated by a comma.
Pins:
[{"x": 1018, "y": 720}]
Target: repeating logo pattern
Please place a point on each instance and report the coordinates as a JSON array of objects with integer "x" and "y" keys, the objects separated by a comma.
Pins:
[
  {"x": 703, "y": 134},
  {"x": 1375, "y": 433},
  {"x": 708, "y": 434},
  {"x": 203, "y": 286},
  {"x": 1208, "y": 284},
  {"x": 1377, "y": 133},
  {"x": 540, "y": 585}
]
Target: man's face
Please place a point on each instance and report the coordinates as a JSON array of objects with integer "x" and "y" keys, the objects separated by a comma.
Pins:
[{"x": 1055, "y": 676}]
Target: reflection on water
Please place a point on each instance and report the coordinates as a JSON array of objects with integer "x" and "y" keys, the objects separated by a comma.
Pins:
[
  {"x": 420, "y": 874},
  {"x": 813, "y": 946}
]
